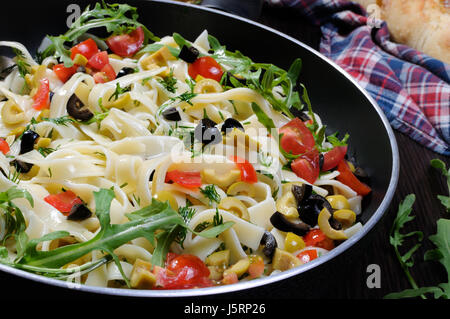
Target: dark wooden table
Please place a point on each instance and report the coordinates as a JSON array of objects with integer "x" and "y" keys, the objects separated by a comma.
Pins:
[{"x": 343, "y": 279}]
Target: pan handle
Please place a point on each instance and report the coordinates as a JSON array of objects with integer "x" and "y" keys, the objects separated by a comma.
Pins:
[{"x": 250, "y": 9}]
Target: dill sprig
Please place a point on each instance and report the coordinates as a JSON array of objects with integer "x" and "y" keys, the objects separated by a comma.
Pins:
[
  {"x": 21, "y": 62},
  {"x": 218, "y": 219},
  {"x": 186, "y": 213},
  {"x": 169, "y": 82},
  {"x": 119, "y": 91},
  {"x": 63, "y": 120},
  {"x": 45, "y": 151},
  {"x": 210, "y": 192},
  {"x": 185, "y": 97}
]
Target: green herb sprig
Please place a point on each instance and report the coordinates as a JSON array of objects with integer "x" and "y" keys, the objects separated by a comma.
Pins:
[
  {"x": 441, "y": 240},
  {"x": 116, "y": 18}
]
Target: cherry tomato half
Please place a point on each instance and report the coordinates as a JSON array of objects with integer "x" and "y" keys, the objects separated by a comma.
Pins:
[
  {"x": 127, "y": 44},
  {"x": 207, "y": 67},
  {"x": 41, "y": 99},
  {"x": 307, "y": 255},
  {"x": 347, "y": 177},
  {"x": 64, "y": 73},
  {"x": 183, "y": 272},
  {"x": 106, "y": 74},
  {"x": 87, "y": 48},
  {"x": 63, "y": 201},
  {"x": 186, "y": 179},
  {"x": 307, "y": 166},
  {"x": 296, "y": 137},
  {"x": 98, "y": 60},
  {"x": 333, "y": 157},
  {"x": 4, "y": 146},
  {"x": 248, "y": 172},
  {"x": 315, "y": 237}
]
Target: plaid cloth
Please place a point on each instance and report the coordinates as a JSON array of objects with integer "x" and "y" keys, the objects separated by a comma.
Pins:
[{"x": 411, "y": 88}]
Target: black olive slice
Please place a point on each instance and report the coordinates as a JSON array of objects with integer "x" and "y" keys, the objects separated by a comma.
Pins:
[
  {"x": 301, "y": 193},
  {"x": 151, "y": 176},
  {"x": 81, "y": 69},
  {"x": 171, "y": 114},
  {"x": 270, "y": 244},
  {"x": 280, "y": 222},
  {"x": 300, "y": 114},
  {"x": 309, "y": 209},
  {"x": 79, "y": 212},
  {"x": 207, "y": 132},
  {"x": 77, "y": 110},
  {"x": 230, "y": 124},
  {"x": 335, "y": 224},
  {"x": 125, "y": 71},
  {"x": 321, "y": 160},
  {"x": 27, "y": 142},
  {"x": 22, "y": 167},
  {"x": 188, "y": 54}
]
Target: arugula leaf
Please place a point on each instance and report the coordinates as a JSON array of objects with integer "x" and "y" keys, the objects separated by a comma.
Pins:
[
  {"x": 334, "y": 140},
  {"x": 442, "y": 253},
  {"x": 116, "y": 18},
  {"x": 239, "y": 65},
  {"x": 180, "y": 40},
  {"x": 263, "y": 118},
  {"x": 441, "y": 240},
  {"x": 153, "y": 47},
  {"x": 440, "y": 165}
]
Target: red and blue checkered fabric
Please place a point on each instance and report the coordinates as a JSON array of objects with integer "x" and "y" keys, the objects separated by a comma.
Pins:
[{"x": 411, "y": 88}]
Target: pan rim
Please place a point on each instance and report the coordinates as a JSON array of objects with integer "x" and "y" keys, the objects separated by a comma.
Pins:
[{"x": 373, "y": 220}]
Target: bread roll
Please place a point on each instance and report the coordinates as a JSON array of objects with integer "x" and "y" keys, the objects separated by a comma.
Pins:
[{"x": 421, "y": 24}]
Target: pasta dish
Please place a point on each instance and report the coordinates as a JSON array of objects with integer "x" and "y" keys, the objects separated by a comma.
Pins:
[{"x": 133, "y": 161}]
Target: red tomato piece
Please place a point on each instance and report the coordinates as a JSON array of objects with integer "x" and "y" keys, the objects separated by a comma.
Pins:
[
  {"x": 183, "y": 272},
  {"x": 256, "y": 268},
  {"x": 207, "y": 67},
  {"x": 307, "y": 166},
  {"x": 127, "y": 44},
  {"x": 41, "y": 100},
  {"x": 4, "y": 146},
  {"x": 186, "y": 179},
  {"x": 230, "y": 278},
  {"x": 248, "y": 172},
  {"x": 333, "y": 157},
  {"x": 100, "y": 77},
  {"x": 64, "y": 73},
  {"x": 108, "y": 70},
  {"x": 106, "y": 74},
  {"x": 63, "y": 201},
  {"x": 296, "y": 137},
  {"x": 307, "y": 255},
  {"x": 87, "y": 48},
  {"x": 98, "y": 60},
  {"x": 315, "y": 237},
  {"x": 347, "y": 177}
]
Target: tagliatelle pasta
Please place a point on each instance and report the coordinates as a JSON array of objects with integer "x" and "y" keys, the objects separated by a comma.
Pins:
[{"x": 141, "y": 165}]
